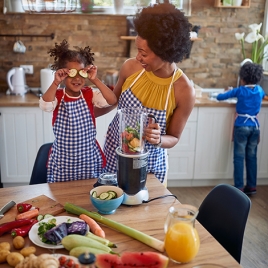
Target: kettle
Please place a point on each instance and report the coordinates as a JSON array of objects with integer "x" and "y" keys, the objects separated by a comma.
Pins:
[{"x": 16, "y": 81}]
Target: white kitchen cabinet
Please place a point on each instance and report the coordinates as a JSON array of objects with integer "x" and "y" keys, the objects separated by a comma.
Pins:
[
  {"x": 181, "y": 156},
  {"x": 21, "y": 136},
  {"x": 214, "y": 147},
  {"x": 262, "y": 156}
]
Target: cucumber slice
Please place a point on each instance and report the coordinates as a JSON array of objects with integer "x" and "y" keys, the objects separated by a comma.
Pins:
[
  {"x": 104, "y": 196},
  {"x": 83, "y": 73},
  {"x": 48, "y": 216},
  {"x": 94, "y": 194},
  {"x": 72, "y": 72},
  {"x": 113, "y": 193},
  {"x": 110, "y": 196},
  {"x": 40, "y": 217}
]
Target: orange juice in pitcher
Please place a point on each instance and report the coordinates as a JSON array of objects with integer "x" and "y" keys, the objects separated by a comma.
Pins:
[{"x": 181, "y": 240}]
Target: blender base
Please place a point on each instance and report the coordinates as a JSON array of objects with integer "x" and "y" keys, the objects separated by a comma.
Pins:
[{"x": 136, "y": 199}]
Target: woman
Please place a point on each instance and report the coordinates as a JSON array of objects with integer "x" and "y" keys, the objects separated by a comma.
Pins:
[{"x": 153, "y": 81}]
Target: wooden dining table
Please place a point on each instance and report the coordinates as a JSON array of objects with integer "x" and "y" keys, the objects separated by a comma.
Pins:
[{"x": 147, "y": 217}]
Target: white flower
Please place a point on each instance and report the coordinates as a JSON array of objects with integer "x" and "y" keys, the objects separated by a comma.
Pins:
[
  {"x": 239, "y": 36},
  {"x": 257, "y": 41}
]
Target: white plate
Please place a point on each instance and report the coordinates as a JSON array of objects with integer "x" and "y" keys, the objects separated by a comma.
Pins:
[{"x": 34, "y": 237}]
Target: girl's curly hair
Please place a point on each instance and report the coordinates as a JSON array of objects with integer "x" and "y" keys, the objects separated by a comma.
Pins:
[
  {"x": 62, "y": 55},
  {"x": 166, "y": 30},
  {"x": 251, "y": 73}
]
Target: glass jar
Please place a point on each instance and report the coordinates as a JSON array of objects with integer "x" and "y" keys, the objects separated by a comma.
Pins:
[
  {"x": 181, "y": 240},
  {"x": 106, "y": 179}
]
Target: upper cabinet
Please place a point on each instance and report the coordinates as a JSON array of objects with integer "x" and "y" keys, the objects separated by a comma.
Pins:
[
  {"x": 232, "y": 3},
  {"x": 105, "y": 7}
]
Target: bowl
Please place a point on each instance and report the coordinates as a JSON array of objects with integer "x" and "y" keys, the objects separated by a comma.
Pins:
[{"x": 106, "y": 206}]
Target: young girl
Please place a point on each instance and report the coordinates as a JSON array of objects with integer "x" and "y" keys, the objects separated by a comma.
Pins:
[{"x": 75, "y": 153}]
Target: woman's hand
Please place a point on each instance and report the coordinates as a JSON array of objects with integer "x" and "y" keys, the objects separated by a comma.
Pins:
[{"x": 153, "y": 132}]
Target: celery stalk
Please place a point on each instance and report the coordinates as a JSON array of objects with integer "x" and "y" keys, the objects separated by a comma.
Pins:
[{"x": 142, "y": 237}]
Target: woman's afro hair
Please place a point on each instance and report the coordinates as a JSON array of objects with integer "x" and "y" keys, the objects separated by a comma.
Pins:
[
  {"x": 166, "y": 30},
  {"x": 62, "y": 55}
]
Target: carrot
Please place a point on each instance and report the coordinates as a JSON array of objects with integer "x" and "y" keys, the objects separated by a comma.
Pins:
[
  {"x": 93, "y": 225},
  {"x": 28, "y": 214}
]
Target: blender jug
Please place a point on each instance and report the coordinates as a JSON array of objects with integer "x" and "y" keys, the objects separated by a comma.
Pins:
[
  {"x": 132, "y": 156},
  {"x": 132, "y": 122}
]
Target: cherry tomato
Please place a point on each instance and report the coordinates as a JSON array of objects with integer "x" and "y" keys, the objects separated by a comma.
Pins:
[
  {"x": 69, "y": 263},
  {"x": 76, "y": 265},
  {"x": 62, "y": 260}
]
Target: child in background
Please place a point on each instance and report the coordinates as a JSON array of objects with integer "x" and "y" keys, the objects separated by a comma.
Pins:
[
  {"x": 75, "y": 153},
  {"x": 246, "y": 134}
]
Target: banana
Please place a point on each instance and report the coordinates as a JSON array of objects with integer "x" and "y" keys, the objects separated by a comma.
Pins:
[{"x": 101, "y": 240}]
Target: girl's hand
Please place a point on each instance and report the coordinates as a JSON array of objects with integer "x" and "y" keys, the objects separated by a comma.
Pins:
[
  {"x": 60, "y": 75},
  {"x": 153, "y": 132},
  {"x": 92, "y": 72}
]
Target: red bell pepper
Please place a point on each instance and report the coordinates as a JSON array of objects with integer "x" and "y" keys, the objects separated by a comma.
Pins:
[
  {"x": 23, "y": 207},
  {"x": 8, "y": 226},
  {"x": 24, "y": 230}
]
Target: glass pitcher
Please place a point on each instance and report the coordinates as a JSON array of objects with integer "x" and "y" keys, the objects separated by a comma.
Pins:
[{"x": 182, "y": 240}]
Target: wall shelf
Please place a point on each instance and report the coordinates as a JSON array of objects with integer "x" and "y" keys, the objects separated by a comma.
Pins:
[{"x": 245, "y": 4}]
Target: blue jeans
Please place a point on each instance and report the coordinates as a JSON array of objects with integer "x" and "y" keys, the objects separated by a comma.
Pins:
[{"x": 245, "y": 149}]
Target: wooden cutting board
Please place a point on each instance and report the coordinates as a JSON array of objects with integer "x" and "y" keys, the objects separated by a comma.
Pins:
[{"x": 45, "y": 204}]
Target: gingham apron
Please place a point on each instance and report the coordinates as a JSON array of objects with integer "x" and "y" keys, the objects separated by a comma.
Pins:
[
  {"x": 75, "y": 154},
  {"x": 157, "y": 157}
]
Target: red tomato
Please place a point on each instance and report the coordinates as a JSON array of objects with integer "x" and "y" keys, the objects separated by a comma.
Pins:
[
  {"x": 62, "y": 260},
  {"x": 69, "y": 264}
]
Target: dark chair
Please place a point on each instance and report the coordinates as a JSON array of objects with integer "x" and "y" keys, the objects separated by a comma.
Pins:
[
  {"x": 224, "y": 214},
  {"x": 39, "y": 173}
]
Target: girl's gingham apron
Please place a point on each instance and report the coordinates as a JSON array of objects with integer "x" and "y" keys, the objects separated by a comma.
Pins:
[
  {"x": 75, "y": 154},
  {"x": 157, "y": 156}
]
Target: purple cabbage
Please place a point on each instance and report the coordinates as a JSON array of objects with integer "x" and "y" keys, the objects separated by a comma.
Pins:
[
  {"x": 56, "y": 234},
  {"x": 77, "y": 227}
]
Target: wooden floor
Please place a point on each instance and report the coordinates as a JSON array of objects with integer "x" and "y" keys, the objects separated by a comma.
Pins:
[{"x": 255, "y": 245}]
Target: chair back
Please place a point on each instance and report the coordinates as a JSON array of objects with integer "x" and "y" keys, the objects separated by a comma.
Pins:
[
  {"x": 224, "y": 213},
  {"x": 39, "y": 173}
]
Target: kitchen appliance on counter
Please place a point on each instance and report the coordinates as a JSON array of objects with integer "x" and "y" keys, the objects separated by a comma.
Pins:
[
  {"x": 16, "y": 81},
  {"x": 132, "y": 156},
  {"x": 46, "y": 79}
]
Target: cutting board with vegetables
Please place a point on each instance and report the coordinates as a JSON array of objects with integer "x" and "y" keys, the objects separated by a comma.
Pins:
[{"x": 45, "y": 204}]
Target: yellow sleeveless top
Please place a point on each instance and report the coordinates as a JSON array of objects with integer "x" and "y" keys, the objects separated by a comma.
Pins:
[{"x": 152, "y": 91}]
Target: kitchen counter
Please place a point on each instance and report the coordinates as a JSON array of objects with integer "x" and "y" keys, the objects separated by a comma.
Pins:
[{"x": 31, "y": 100}]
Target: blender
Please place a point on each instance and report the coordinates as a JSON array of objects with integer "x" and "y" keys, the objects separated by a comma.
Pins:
[{"x": 132, "y": 156}]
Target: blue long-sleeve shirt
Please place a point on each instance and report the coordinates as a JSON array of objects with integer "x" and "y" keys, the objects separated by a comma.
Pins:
[{"x": 248, "y": 102}]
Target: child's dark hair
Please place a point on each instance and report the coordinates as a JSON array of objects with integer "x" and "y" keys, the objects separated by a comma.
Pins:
[
  {"x": 62, "y": 55},
  {"x": 251, "y": 73},
  {"x": 166, "y": 30}
]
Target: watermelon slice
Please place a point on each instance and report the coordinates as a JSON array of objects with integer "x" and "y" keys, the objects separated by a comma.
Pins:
[{"x": 132, "y": 259}]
